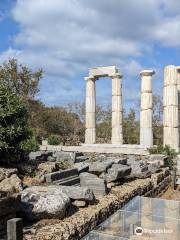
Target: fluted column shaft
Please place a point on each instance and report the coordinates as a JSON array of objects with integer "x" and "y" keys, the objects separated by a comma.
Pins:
[
  {"x": 90, "y": 134},
  {"x": 117, "y": 135},
  {"x": 170, "y": 113},
  {"x": 146, "y": 134}
]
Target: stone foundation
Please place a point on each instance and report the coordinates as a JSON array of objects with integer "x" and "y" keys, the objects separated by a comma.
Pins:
[
  {"x": 99, "y": 148},
  {"x": 84, "y": 220}
]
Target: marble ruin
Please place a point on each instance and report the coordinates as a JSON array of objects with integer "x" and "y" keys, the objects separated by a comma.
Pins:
[
  {"x": 146, "y": 135},
  {"x": 171, "y": 106},
  {"x": 95, "y": 74}
]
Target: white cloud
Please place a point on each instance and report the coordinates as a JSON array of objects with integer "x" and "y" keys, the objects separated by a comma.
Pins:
[{"x": 65, "y": 38}]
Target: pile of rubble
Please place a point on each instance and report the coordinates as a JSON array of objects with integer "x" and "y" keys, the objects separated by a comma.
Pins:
[
  {"x": 86, "y": 182},
  {"x": 69, "y": 181}
]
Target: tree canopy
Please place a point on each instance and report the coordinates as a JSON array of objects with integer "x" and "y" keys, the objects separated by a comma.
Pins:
[{"x": 14, "y": 128}]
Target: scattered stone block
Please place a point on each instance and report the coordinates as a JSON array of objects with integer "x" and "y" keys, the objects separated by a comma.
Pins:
[
  {"x": 82, "y": 167},
  {"x": 51, "y": 159},
  {"x": 39, "y": 202},
  {"x": 161, "y": 158},
  {"x": 131, "y": 159},
  {"x": 67, "y": 177},
  {"x": 100, "y": 167},
  {"x": 79, "y": 159},
  {"x": 15, "y": 229},
  {"x": 79, "y": 204},
  {"x": 122, "y": 161},
  {"x": 78, "y": 193},
  {"x": 40, "y": 156},
  {"x": 64, "y": 156},
  {"x": 153, "y": 167},
  {"x": 117, "y": 171},
  {"x": 86, "y": 175},
  {"x": 97, "y": 185},
  {"x": 140, "y": 169}
]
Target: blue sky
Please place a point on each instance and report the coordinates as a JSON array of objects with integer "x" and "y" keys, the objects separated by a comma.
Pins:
[{"x": 65, "y": 38}]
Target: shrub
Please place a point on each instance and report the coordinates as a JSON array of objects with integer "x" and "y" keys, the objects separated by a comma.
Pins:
[
  {"x": 53, "y": 140},
  {"x": 166, "y": 150},
  {"x": 13, "y": 124},
  {"x": 30, "y": 145}
]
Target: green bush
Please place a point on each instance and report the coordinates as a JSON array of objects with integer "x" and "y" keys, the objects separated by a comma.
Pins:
[
  {"x": 53, "y": 140},
  {"x": 166, "y": 150},
  {"x": 30, "y": 145},
  {"x": 13, "y": 124}
]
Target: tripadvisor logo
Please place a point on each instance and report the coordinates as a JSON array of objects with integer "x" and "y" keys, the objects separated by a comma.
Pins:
[{"x": 138, "y": 231}]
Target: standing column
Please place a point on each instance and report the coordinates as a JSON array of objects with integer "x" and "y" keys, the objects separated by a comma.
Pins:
[
  {"x": 178, "y": 90},
  {"x": 146, "y": 134},
  {"x": 90, "y": 135},
  {"x": 117, "y": 135},
  {"x": 170, "y": 113}
]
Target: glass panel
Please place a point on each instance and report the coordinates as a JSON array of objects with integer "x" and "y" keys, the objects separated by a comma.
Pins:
[
  {"x": 142, "y": 218},
  {"x": 100, "y": 236}
]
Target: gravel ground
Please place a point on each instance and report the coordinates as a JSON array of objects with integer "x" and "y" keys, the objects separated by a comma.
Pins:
[{"x": 172, "y": 194}]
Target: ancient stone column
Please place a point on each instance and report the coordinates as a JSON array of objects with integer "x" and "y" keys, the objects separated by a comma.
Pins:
[
  {"x": 178, "y": 89},
  {"x": 170, "y": 113},
  {"x": 117, "y": 135},
  {"x": 90, "y": 134},
  {"x": 146, "y": 134}
]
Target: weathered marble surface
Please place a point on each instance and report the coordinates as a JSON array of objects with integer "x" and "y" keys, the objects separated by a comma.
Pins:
[{"x": 146, "y": 135}]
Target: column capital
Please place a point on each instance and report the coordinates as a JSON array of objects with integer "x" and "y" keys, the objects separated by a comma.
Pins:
[
  {"x": 147, "y": 72},
  {"x": 116, "y": 75},
  {"x": 90, "y": 78},
  {"x": 178, "y": 68}
]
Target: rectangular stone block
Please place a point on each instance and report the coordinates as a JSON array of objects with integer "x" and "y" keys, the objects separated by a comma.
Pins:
[
  {"x": 82, "y": 167},
  {"x": 116, "y": 172},
  {"x": 103, "y": 71},
  {"x": 61, "y": 175},
  {"x": 15, "y": 229},
  {"x": 97, "y": 185},
  {"x": 78, "y": 193},
  {"x": 100, "y": 167}
]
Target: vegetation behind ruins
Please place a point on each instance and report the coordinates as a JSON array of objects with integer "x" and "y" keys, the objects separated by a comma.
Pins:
[{"x": 66, "y": 125}]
